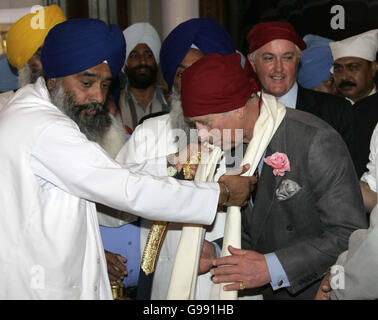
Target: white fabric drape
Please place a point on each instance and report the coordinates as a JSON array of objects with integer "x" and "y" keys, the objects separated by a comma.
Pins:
[
  {"x": 185, "y": 269},
  {"x": 271, "y": 115}
]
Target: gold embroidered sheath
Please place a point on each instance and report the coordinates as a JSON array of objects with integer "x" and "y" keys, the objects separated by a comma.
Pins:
[{"x": 151, "y": 250}]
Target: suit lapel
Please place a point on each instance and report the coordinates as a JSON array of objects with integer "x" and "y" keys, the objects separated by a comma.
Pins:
[{"x": 268, "y": 185}]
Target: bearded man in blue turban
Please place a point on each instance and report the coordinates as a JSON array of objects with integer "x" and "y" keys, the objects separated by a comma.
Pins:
[{"x": 53, "y": 174}]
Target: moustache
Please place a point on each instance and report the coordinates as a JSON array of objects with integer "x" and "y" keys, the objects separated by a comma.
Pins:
[
  {"x": 90, "y": 107},
  {"x": 346, "y": 83},
  {"x": 135, "y": 69}
]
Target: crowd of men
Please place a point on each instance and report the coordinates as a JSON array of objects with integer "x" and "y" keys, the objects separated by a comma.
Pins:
[{"x": 96, "y": 153}]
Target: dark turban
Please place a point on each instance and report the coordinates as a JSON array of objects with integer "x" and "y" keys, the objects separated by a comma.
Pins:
[
  {"x": 265, "y": 32},
  {"x": 205, "y": 33},
  {"x": 79, "y": 44},
  {"x": 215, "y": 84}
]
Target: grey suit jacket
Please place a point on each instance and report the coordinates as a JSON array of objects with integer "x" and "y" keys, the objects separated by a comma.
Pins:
[{"x": 309, "y": 229}]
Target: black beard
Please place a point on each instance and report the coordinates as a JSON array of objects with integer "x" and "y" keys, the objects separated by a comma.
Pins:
[
  {"x": 141, "y": 81},
  {"x": 94, "y": 126}
]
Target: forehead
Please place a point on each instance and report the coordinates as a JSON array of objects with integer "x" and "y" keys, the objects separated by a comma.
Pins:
[
  {"x": 207, "y": 118},
  {"x": 277, "y": 46},
  {"x": 192, "y": 56},
  {"x": 99, "y": 72},
  {"x": 349, "y": 60},
  {"x": 141, "y": 47}
]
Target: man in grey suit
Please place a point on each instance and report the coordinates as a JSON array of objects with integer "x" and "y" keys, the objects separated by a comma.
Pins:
[{"x": 308, "y": 199}]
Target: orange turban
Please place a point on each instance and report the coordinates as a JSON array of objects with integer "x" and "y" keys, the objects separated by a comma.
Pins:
[{"x": 28, "y": 34}]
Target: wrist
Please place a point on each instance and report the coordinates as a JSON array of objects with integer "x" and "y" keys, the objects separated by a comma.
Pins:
[{"x": 224, "y": 194}]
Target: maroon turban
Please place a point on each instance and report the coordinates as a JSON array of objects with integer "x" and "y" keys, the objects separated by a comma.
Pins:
[
  {"x": 265, "y": 32},
  {"x": 215, "y": 84}
]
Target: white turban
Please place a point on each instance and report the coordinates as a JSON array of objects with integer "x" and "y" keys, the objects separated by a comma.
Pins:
[
  {"x": 142, "y": 33},
  {"x": 364, "y": 45}
]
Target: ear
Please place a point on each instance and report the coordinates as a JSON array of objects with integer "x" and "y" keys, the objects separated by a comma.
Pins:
[
  {"x": 373, "y": 68},
  {"x": 251, "y": 62},
  {"x": 51, "y": 83},
  {"x": 241, "y": 112}
]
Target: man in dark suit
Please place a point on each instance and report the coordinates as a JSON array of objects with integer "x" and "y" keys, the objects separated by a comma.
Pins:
[
  {"x": 308, "y": 200},
  {"x": 275, "y": 51}
]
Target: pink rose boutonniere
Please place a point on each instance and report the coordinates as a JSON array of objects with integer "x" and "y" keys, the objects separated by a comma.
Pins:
[{"x": 279, "y": 162}]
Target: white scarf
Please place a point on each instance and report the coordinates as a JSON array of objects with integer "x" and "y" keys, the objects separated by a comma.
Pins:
[{"x": 185, "y": 269}]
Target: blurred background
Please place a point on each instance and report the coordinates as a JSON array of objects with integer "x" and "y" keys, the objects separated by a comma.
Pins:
[{"x": 237, "y": 16}]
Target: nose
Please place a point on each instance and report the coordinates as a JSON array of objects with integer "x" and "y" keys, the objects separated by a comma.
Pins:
[
  {"x": 142, "y": 59},
  {"x": 278, "y": 66},
  {"x": 203, "y": 133},
  {"x": 97, "y": 94}
]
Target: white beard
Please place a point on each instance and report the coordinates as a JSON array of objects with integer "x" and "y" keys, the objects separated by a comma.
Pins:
[
  {"x": 114, "y": 138},
  {"x": 177, "y": 119},
  {"x": 26, "y": 75}
]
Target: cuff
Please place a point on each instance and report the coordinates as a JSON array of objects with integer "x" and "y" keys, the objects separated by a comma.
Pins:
[
  {"x": 277, "y": 273},
  {"x": 218, "y": 249}
]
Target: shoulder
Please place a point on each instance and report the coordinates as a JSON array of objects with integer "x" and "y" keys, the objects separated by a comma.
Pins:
[
  {"x": 368, "y": 103},
  {"x": 307, "y": 130},
  {"x": 323, "y": 98},
  {"x": 156, "y": 123},
  {"x": 30, "y": 105},
  {"x": 370, "y": 100},
  {"x": 305, "y": 120}
]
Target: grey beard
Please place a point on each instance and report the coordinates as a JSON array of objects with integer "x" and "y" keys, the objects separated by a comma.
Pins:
[
  {"x": 26, "y": 75},
  {"x": 94, "y": 127},
  {"x": 178, "y": 122}
]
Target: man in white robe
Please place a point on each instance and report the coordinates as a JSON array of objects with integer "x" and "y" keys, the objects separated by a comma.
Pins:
[
  {"x": 355, "y": 273},
  {"x": 53, "y": 173}
]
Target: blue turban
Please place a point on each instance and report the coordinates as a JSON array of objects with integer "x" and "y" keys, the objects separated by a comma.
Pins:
[
  {"x": 8, "y": 78},
  {"x": 205, "y": 33},
  {"x": 79, "y": 44},
  {"x": 316, "y": 62}
]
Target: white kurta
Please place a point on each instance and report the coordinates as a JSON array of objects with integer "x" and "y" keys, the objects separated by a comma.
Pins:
[
  {"x": 4, "y": 97},
  {"x": 51, "y": 175},
  {"x": 370, "y": 176},
  {"x": 155, "y": 138}
]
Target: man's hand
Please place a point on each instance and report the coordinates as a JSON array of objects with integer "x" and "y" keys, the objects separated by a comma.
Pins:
[
  {"x": 324, "y": 291},
  {"x": 116, "y": 267},
  {"x": 240, "y": 188},
  {"x": 207, "y": 257},
  {"x": 243, "y": 265}
]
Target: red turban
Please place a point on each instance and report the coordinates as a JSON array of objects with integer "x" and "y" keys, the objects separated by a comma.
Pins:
[
  {"x": 215, "y": 84},
  {"x": 265, "y": 32}
]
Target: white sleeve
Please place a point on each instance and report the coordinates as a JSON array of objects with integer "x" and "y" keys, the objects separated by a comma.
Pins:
[
  {"x": 356, "y": 270},
  {"x": 64, "y": 157},
  {"x": 370, "y": 176}
]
